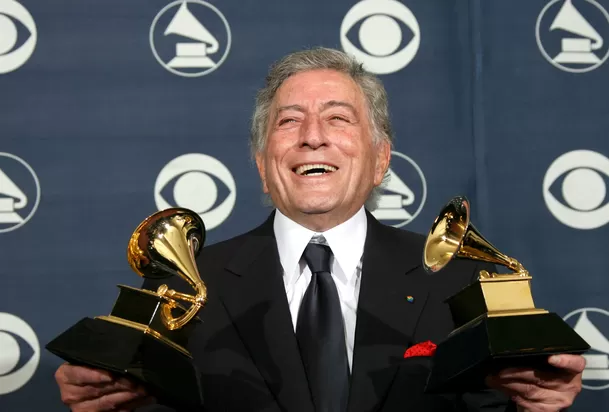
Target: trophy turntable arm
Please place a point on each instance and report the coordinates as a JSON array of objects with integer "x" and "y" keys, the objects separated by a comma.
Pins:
[
  {"x": 519, "y": 270},
  {"x": 163, "y": 290},
  {"x": 197, "y": 301}
]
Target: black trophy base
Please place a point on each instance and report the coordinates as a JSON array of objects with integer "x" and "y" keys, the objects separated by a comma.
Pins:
[
  {"x": 462, "y": 362},
  {"x": 161, "y": 363},
  {"x": 168, "y": 374}
]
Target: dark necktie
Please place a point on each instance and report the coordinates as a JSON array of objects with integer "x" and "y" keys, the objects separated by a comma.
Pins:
[{"x": 321, "y": 336}]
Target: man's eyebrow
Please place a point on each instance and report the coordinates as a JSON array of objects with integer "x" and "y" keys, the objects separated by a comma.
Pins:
[
  {"x": 338, "y": 103},
  {"x": 296, "y": 107},
  {"x": 325, "y": 106}
]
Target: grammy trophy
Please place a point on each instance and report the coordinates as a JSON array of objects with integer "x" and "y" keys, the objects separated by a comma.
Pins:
[
  {"x": 496, "y": 322},
  {"x": 146, "y": 333}
]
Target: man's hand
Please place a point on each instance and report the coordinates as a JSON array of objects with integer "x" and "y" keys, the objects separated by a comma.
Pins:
[
  {"x": 542, "y": 391},
  {"x": 93, "y": 390}
]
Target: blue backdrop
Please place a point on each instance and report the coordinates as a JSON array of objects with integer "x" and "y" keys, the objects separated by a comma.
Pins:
[{"x": 111, "y": 110}]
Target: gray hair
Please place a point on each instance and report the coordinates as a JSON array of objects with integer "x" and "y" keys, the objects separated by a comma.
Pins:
[{"x": 317, "y": 59}]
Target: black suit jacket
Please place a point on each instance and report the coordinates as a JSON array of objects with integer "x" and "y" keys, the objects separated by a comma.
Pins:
[{"x": 246, "y": 348}]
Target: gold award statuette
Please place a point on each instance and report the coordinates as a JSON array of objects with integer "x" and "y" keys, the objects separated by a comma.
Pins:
[
  {"x": 496, "y": 322},
  {"x": 146, "y": 334}
]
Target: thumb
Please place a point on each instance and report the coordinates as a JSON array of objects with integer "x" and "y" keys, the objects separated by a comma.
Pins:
[{"x": 572, "y": 363}]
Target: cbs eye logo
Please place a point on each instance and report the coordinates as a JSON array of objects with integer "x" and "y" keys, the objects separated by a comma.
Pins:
[
  {"x": 580, "y": 179},
  {"x": 198, "y": 182},
  {"x": 16, "y": 340},
  {"x": 18, "y": 35},
  {"x": 386, "y": 30}
]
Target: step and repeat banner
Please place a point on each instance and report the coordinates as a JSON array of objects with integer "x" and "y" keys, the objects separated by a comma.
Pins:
[{"x": 111, "y": 110}]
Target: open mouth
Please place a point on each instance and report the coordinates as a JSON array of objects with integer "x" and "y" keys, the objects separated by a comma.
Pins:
[{"x": 314, "y": 169}]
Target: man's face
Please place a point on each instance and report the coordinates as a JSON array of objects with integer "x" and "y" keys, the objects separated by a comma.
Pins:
[{"x": 319, "y": 156}]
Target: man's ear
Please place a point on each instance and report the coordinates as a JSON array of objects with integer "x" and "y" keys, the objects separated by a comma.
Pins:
[
  {"x": 383, "y": 158},
  {"x": 261, "y": 171}
]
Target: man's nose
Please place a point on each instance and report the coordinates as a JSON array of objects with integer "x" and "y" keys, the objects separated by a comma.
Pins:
[{"x": 313, "y": 134}]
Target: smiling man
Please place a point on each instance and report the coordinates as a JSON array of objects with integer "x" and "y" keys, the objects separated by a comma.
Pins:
[
  {"x": 307, "y": 312},
  {"x": 321, "y": 157}
]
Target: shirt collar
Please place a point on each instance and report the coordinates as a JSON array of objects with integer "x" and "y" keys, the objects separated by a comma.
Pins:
[{"x": 346, "y": 241}]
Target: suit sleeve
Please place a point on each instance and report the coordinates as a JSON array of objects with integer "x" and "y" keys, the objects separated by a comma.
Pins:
[
  {"x": 155, "y": 408},
  {"x": 162, "y": 408}
]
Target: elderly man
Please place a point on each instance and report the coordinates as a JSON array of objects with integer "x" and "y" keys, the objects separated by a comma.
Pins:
[{"x": 308, "y": 312}]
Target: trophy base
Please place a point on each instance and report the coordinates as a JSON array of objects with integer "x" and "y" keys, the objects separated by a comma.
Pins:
[
  {"x": 168, "y": 374},
  {"x": 462, "y": 362},
  {"x": 133, "y": 341}
]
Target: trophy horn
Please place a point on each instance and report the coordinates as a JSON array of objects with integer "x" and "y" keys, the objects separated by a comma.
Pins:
[
  {"x": 452, "y": 235},
  {"x": 165, "y": 244}
]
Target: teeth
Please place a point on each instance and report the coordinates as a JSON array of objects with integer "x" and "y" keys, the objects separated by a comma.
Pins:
[{"x": 302, "y": 170}]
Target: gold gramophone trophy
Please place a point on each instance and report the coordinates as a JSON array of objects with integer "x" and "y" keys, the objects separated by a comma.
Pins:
[
  {"x": 146, "y": 333},
  {"x": 496, "y": 322}
]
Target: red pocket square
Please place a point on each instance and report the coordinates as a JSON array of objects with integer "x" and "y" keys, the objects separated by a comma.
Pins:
[{"x": 427, "y": 348}]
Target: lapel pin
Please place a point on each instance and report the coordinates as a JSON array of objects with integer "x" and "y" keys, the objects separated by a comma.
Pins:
[{"x": 410, "y": 299}]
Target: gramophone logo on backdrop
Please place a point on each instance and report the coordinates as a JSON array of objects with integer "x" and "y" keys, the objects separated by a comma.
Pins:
[
  {"x": 190, "y": 38},
  {"x": 572, "y": 34},
  {"x": 19, "y": 192},
  {"x": 575, "y": 189},
  {"x": 405, "y": 194},
  {"x": 197, "y": 182},
  {"x": 20, "y": 353},
  {"x": 17, "y": 35},
  {"x": 387, "y": 31},
  {"x": 588, "y": 323}
]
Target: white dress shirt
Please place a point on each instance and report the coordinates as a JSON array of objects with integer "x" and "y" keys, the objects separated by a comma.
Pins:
[{"x": 347, "y": 243}]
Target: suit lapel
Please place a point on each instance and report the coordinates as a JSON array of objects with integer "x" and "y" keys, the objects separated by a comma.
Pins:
[
  {"x": 254, "y": 296},
  {"x": 385, "y": 318}
]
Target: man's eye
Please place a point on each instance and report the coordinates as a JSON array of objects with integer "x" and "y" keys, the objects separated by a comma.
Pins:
[
  {"x": 286, "y": 120},
  {"x": 341, "y": 118}
]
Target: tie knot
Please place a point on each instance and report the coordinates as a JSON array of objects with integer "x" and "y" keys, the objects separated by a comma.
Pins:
[{"x": 317, "y": 257}]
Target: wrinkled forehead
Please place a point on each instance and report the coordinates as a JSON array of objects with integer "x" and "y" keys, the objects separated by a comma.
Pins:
[{"x": 315, "y": 88}]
